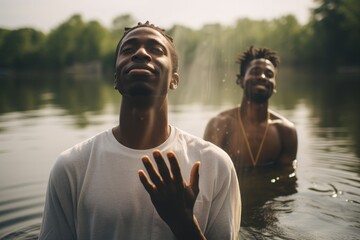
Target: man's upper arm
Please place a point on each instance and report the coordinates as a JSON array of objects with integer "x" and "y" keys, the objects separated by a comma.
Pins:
[
  {"x": 214, "y": 131},
  {"x": 225, "y": 214},
  {"x": 290, "y": 145},
  {"x": 58, "y": 218}
]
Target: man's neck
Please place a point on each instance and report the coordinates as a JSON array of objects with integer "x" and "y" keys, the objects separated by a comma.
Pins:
[
  {"x": 142, "y": 128},
  {"x": 253, "y": 112}
]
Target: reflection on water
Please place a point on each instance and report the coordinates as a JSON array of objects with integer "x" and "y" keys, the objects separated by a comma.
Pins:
[
  {"x": 21, "y": 209},
  {"x": 259, "y": 188},
  {"x": 39, "y": 118}
]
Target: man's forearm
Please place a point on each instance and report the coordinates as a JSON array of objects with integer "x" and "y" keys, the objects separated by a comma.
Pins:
[{"x": 188, "y": 230}]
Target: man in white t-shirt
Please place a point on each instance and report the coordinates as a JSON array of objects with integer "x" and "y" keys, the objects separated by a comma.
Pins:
[{"x": 118, "y": 184}]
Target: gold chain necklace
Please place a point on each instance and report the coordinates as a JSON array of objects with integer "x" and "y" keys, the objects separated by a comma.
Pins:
[{"x": 254, "y": 161}]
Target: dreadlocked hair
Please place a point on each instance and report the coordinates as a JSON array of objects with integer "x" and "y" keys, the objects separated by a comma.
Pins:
[
  {"x": 255, "y": 53},
  {"x": 174, "y": 56}
]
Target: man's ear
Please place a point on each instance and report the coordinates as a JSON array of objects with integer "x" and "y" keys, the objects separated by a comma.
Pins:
[
  {"x": 274, "y": 84},
  {"x": 174, "y": 81},
  {"x": 115, "y": 81},
  {"x": 239, "y": 80}
]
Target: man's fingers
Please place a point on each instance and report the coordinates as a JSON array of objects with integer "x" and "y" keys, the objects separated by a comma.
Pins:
[
  {"x": 153, "y": 174},
  {"x": 161, "y": 180},
  {"x": 175, "y": 169},
  {"x": 194, "y": 178},
  {"x": 162, "y": 167},
  {"x": 145, "y": 182}
]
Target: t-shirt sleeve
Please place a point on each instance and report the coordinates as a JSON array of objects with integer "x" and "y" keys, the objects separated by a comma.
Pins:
[
  {"x": 58, "y": 218},
  {"x": 225, "y": 213}
]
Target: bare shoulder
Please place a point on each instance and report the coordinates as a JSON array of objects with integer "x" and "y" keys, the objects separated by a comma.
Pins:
[
  {"x": 280, "y": 120},
  {"x": 285, "y": 127},
  {"x": 219, "y": 124},
  {"x": 225, "y": 116},
  {"x": 288, "y": 135}
]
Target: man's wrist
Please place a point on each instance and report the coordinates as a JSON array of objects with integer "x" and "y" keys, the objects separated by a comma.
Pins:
[{"x": 188, "y": 230}]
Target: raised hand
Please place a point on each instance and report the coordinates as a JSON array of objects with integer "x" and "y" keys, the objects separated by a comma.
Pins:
[{"x": 171, "y": 195}]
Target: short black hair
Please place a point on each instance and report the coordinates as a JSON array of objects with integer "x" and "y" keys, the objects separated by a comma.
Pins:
[
  {"x": 174, "y": 55},
  {"x": 255, "y": 53}
]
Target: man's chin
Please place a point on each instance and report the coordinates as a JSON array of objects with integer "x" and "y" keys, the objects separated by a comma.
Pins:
[
  {"x": 142, "y": 93},
  {"x": 139, "y": 91},
  {"x": 259, "y": 98}
]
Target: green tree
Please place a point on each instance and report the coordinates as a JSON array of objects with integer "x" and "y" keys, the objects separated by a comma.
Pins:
[
  {"x": 336, "y": 25},
  {"x": 3, "y": 33},
  {"x": 350, "y": 9},
  {"x": 62, "y": 43},
  {"x": 120, "y": 23},
  {"x": 21, "y": 48},
  {"x": 285, "y": 38},
  {"x": 90, "y": 43}
]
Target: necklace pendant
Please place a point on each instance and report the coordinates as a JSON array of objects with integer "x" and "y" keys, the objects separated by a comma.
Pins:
[{"x": 254, "y": 160}]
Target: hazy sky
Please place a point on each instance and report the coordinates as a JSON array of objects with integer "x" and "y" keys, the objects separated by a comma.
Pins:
[{"x": 47, "y": 14}]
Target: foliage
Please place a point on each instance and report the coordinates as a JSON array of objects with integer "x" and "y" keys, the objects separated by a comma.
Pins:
[
  {"x": 75, "y": 41},
  {"x": 335, "y": 25},
  {"x": 330, "y": 39},
  {"x": 20, "y": 48},
  {"x": 61, "y": 47}
]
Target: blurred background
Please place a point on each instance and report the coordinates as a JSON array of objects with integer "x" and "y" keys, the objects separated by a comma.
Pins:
[{"x": 56, "y": 89}]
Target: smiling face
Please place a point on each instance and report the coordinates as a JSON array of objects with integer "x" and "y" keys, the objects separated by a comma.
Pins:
[
  {"x": 259, "y": 80},
  {"x": 143, "y": 65}
]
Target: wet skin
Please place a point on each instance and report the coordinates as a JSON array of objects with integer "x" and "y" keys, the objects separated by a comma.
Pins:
[
  {"x": 259, "y": 81},
  {"x": 280, "y": 141}
]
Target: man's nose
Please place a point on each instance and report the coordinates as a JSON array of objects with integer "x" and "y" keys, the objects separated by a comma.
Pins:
[
  {"x": 261, "y": 77},
  {"x": 141, "y": 54}
]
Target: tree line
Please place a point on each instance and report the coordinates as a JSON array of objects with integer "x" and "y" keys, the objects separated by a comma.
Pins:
[{"x": 330, "y": 39}]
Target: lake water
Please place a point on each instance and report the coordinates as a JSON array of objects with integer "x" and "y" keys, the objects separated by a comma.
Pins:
[{"x": 40, "y": 116}]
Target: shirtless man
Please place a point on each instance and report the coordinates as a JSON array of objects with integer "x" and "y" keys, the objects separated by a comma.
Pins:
[{"x": 252, "y": 134}]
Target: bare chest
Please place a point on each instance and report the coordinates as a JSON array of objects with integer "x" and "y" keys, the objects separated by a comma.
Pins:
[{"x": 253, "y": 146}]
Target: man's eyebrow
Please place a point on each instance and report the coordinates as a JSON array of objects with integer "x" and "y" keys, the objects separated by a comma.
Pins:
[
  {"x": 156, "y": 42},
  {"x": 135, "y": 40},
  {"x": 256, "y": 67},
  {"x": 270, "y": 67},
  {"x": 129, "y": 41}
]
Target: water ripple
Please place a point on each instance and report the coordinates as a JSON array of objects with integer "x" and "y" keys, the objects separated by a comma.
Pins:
[{"x": 21, "y": 209}]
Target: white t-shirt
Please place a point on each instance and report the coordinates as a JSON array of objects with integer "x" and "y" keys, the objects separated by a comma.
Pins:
[{"x": 94, "y": 191}]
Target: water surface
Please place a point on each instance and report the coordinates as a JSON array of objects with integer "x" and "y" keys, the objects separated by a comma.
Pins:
[{"x": 41, "y": 117}]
